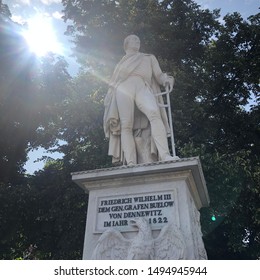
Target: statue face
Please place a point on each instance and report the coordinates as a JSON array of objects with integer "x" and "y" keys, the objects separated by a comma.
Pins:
[{"x": 132, "y": 42}]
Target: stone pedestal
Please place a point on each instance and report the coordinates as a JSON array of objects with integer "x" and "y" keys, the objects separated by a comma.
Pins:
[{"x": 160, "y": 193}]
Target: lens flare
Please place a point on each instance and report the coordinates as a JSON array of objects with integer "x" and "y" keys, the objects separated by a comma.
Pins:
[{"x": 213, "y": 218}]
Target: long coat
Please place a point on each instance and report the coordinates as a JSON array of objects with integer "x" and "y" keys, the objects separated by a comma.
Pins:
[{"x": 111, "y": 116}]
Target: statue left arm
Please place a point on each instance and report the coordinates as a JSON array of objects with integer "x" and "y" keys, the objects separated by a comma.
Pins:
[{"x": 162, "y": 78}]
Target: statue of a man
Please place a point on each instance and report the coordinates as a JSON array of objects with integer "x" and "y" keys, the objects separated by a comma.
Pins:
[{"x": 136, "y": 126}]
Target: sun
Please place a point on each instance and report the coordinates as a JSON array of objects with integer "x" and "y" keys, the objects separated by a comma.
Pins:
[{"x": 40, "y": 36}]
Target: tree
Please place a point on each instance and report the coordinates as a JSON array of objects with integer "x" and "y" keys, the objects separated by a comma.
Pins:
[
  {"x": 15, "y": 94},
  {"x": 59, "y": 214},
  {"x": 32, "y": 92},
  {"x": 47, "y": 213},
  {"x": 81, "y": 125}
]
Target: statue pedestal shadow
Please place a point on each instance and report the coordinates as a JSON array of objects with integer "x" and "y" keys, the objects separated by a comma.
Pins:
[{"x": 145, "y": 211}]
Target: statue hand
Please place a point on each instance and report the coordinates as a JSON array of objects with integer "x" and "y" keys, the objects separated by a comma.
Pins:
[{"x": 169, "y": 83}]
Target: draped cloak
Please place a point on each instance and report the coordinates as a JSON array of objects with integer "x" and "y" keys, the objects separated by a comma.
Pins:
[{"x": 112, "y": 128}]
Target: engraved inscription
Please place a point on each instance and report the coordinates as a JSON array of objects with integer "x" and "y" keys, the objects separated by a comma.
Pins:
[{"x": 117, "y": 211}]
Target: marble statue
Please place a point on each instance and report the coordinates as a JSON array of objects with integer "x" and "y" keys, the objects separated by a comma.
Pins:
[
  {"x": 136, "y": 126},
  {"x": 169, "y": 245}
]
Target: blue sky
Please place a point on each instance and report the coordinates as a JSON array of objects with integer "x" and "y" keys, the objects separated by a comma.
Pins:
[
  {"x": 244, "y": 7},
  {"x": 22, "y": 10}
]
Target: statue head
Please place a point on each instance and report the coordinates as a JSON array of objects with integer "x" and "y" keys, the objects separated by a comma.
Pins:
[{"x": 132, "y": 43}]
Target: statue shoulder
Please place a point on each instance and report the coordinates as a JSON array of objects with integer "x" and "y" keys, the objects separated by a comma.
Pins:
[
  {"x": 151, "y": 56},
  {"x": 148, "y": 54}
]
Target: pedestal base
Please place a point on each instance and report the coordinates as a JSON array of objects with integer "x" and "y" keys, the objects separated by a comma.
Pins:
[{"x": 162, "y": 199}]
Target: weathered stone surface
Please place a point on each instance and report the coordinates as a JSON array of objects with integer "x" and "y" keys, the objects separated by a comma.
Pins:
[{"x": 162, "y": 193}]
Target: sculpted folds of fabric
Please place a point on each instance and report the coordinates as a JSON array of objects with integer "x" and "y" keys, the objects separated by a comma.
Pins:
[{"x": 125, "y": 68}]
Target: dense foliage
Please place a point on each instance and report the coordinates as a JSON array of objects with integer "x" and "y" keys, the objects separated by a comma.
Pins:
[{"x": 216, "y": 66}]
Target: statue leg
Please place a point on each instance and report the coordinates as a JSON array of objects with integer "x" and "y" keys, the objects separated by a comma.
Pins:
[
  {"x": 146, "y": 103},
  {"x": 125, "y": 103}
]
